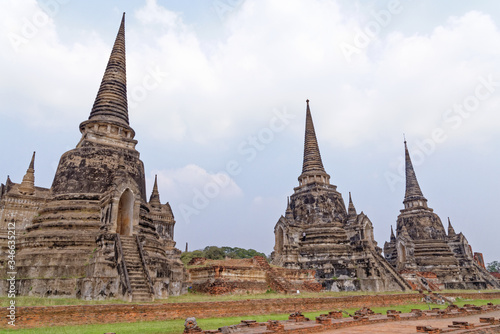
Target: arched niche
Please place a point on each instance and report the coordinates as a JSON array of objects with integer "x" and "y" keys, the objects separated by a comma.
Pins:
[
  {"x": 402, "y": 254},
  {"x": 279, "y": 239},
  {"x": 368, "y": 233},
  {"x": 125, "y": 213}
]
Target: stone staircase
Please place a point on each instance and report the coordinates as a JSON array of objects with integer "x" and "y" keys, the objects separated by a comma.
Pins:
[
  {"x": 137, "y": 276},
  {"x": 487, "y": 276},
  {"x": 275, "y": 281},
  {"x": 399, "y": 279}
]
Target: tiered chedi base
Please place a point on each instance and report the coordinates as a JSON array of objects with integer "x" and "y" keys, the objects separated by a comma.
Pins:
[
  {"x": 72, "y": 247},
  {"x": 317, "y": 233},
  {"x": 422, "y": 248}
]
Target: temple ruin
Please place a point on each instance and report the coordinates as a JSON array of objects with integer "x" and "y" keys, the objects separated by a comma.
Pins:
[
  {"x": 317, "y": 232},
  {"x": 424, "y": 253},
  {"x": 93, "y": 234}
]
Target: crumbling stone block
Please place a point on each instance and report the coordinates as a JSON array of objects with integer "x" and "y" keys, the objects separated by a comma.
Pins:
[
  {"x": 461, "y": 324},
  {"x": 191, "y": 326},
  {"x": 275, "y": 326},
  {"x": 324, "y": 320},
  {"x": 335, "y": 314},
  {"x": 428, "y": 329}
]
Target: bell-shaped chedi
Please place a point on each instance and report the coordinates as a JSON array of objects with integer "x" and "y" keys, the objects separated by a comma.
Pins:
[
  {"x": 317, "y": 232},
  {"x": 107, "y": 144},
  {"x": 97, "y": 236}
]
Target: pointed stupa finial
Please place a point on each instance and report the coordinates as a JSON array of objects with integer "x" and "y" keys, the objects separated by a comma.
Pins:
[
  {"x": 155, "y": 185},
  {"x": 312, "y": 166},
  {"x": 8, "y": 184},
  {"x": 451, "y": 230},
  {"x": 289, "y": 212},
  {"x": 168, "y": 210},
  {"x": 27, "y": 186},
  {"x": 32, "y": 163},
  {"x": 413, "y": 192},
  {"x": 154, "y": 200},
  {"x": 111, "y": 101},
  {"x": 393, "y": 237},
  {"x": 351, "y": 211}
]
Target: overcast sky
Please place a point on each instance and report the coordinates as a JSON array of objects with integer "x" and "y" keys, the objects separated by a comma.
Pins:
[{"x": 217, "y": 94}]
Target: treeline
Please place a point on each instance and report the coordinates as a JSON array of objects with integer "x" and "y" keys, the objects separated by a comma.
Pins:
[
  {"x": 220, "y": 253},
  {"x": 493, "y": 267}
]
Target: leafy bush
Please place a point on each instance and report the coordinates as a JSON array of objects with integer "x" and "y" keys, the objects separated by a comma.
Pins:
[{"x": 220, "y": 253}]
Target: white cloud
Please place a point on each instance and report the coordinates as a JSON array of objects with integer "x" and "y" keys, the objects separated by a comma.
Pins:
[
  {"x": 270, "y": 56},
  {"x": 48, "y": 82},
  {"x": 183, "y": 184},
  {"x": 151, "y": 13},
  {"x": 213, "y": 93},
  {"x": 273, "y": 56}
]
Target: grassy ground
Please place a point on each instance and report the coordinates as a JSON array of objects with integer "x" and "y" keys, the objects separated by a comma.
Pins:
[
  {"x": 195, "y": 297},
  {"x": 177, "y": 326}
]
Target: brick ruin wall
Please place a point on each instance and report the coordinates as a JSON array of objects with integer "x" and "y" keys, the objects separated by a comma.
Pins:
[
  {"x": 218, "y": 279},
  {"x": 225, "y": 278}
]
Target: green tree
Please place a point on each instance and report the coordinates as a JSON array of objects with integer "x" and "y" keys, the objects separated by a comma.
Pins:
[
  {"x": 220, "y": 253},
  {"x": 188, "y": 256},
  {"x": 214, "y": 253},
  {"x": 493, "y": 267},
  {"x": 241, "y": 253}
]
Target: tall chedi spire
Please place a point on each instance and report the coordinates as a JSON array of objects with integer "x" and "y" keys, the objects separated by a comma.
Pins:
[
  {"x": 108, "y": 122},
  {"x": 312, "y": 167},
  {"x": 27, "y": 186},
  {"x": 413, "y": 194},
  {"x": 111, "y": 101}
]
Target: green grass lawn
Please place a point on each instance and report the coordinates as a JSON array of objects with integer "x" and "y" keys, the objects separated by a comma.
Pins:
[
  {"x": 177, "y": 326},
  {"x": 197, "y": 297}
]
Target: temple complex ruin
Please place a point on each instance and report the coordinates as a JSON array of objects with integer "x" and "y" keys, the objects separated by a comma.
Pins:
[
  {"x": 317, "y": 232},
  {"x": 427, "y": 256},
  {"x": 93, "y": 234}
]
